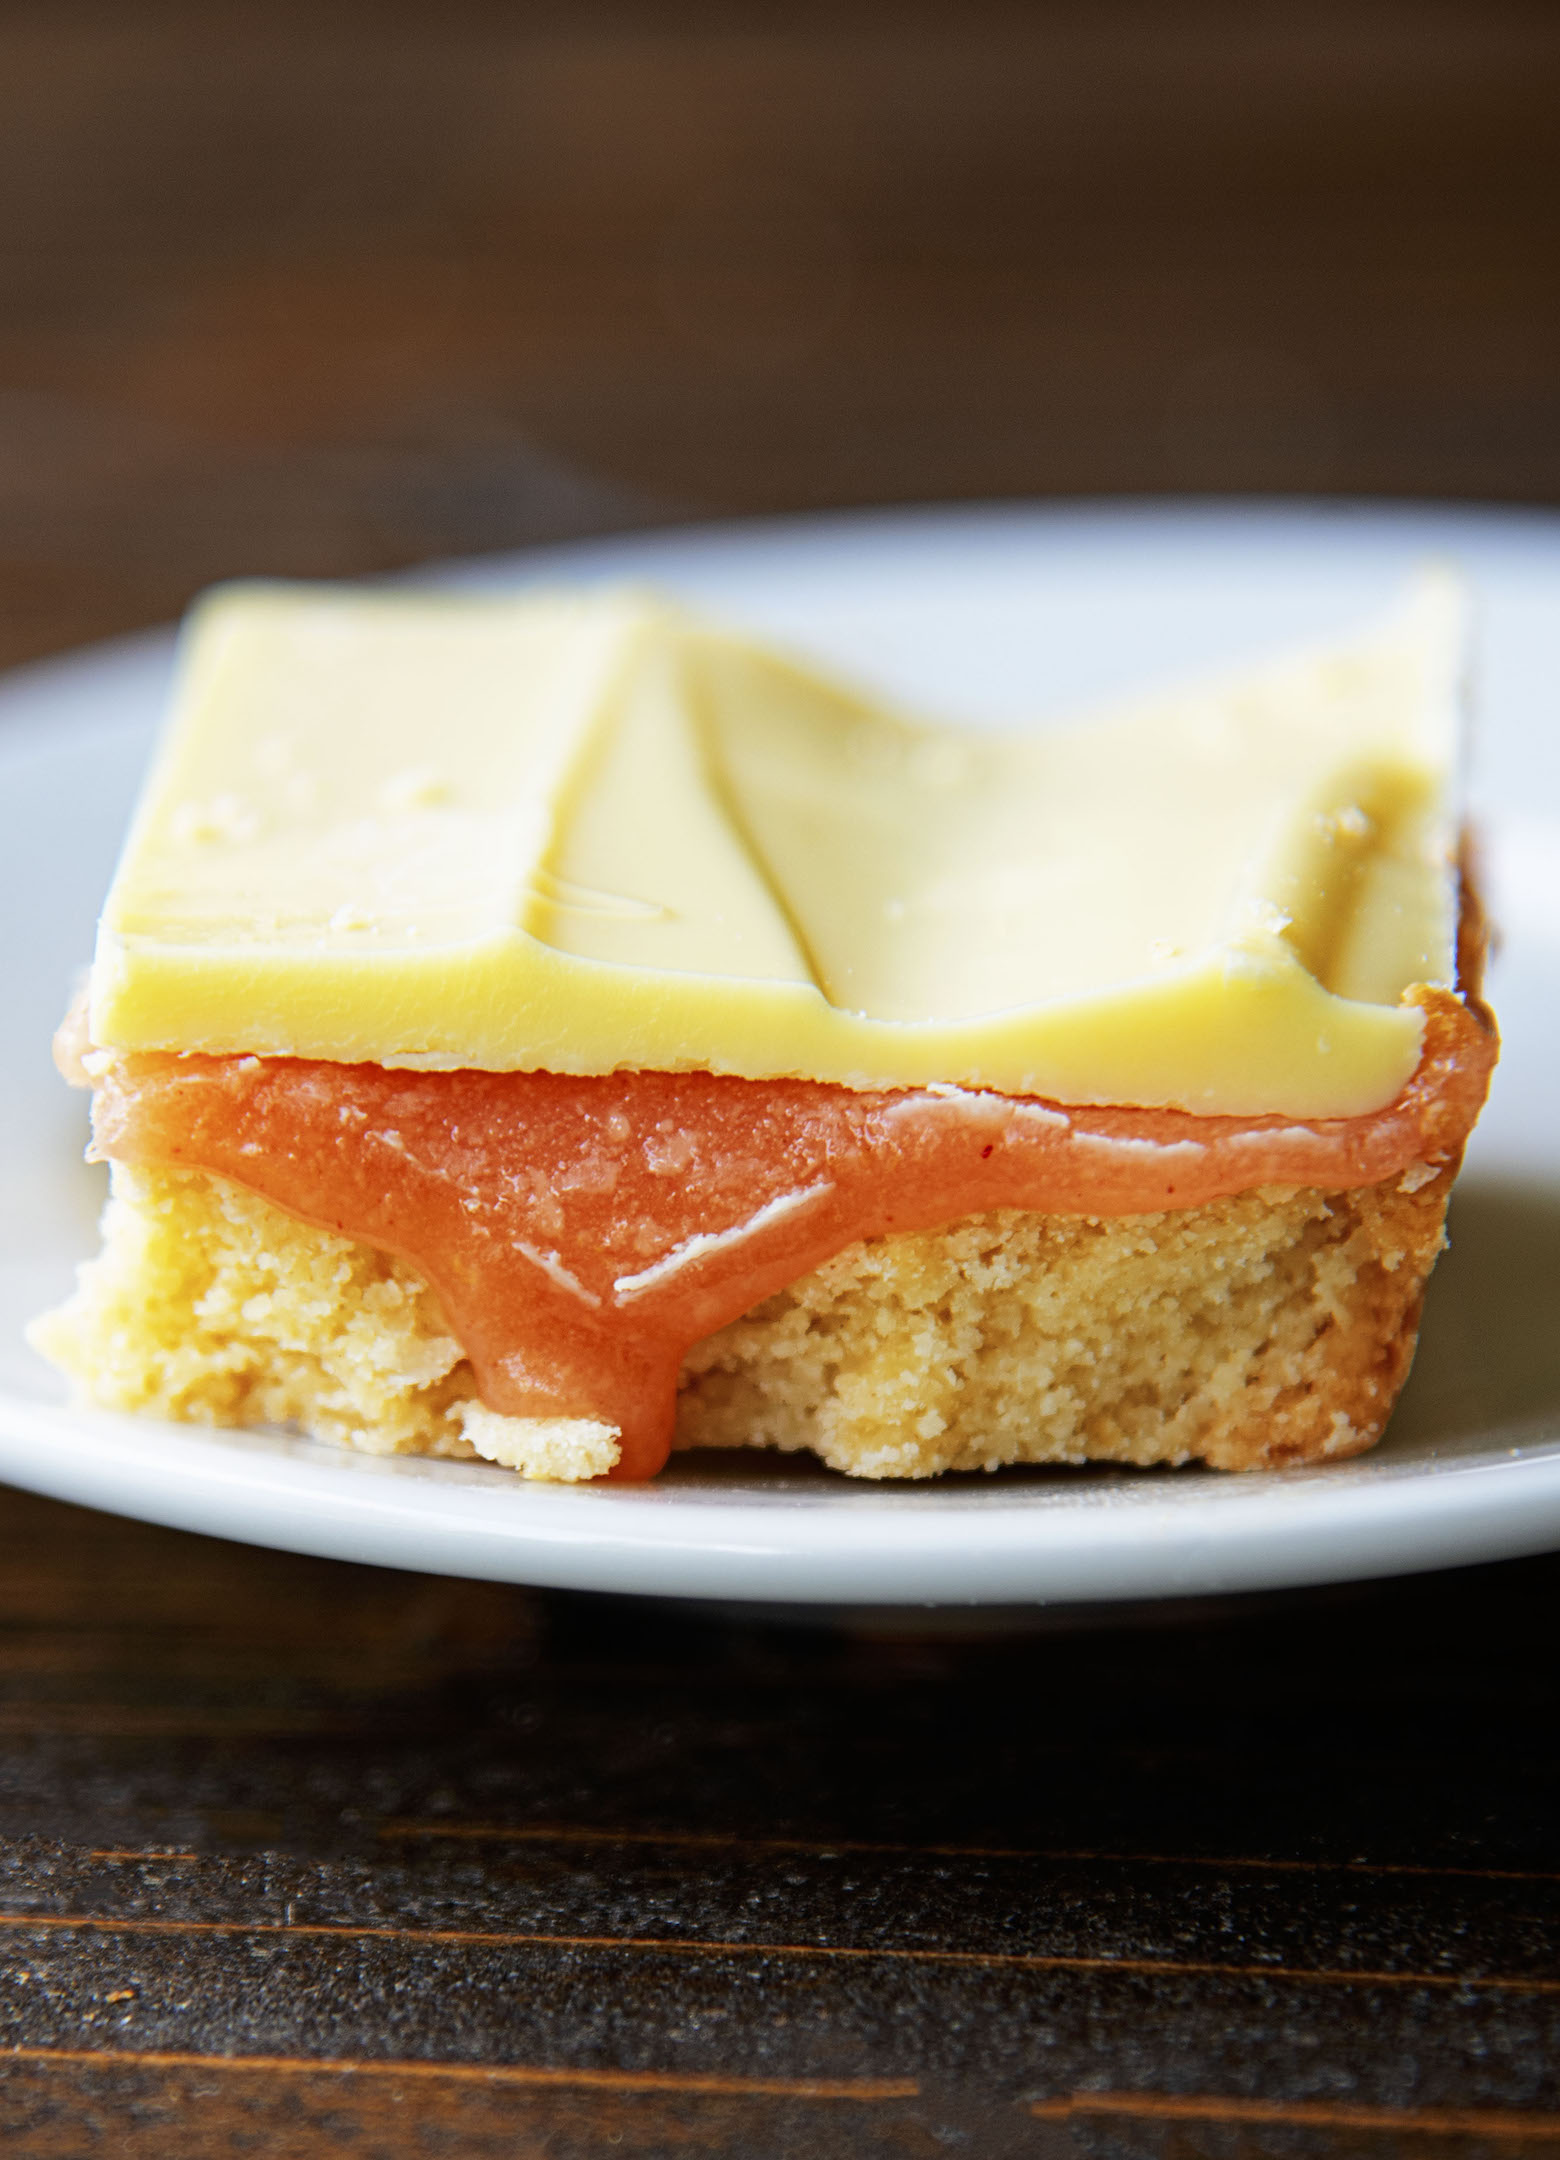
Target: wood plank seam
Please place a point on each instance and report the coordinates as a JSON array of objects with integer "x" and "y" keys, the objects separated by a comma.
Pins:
[
  {"x": 1021, "y": 1960},
  {"x": 823, "y": 1848},
  {"x": 115, "y": 1852},
  {"x": 479, "y": 2073},
  {"x": 1341, "y": 2115}
]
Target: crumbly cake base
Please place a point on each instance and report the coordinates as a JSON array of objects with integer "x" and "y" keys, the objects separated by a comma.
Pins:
[{"x": 1273, "y": 1327}]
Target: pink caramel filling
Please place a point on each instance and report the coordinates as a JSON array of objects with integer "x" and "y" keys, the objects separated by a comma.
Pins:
[{"x": 582, "y": 1234}]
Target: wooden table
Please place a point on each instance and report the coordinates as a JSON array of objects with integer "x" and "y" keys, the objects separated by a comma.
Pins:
[
  {"x": 307, "y": 1859},
  {"x": 303, "y": 1858}
]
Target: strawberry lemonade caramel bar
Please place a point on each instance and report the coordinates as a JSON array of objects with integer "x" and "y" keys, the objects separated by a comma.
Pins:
[{"x": 548, "y": 1029}]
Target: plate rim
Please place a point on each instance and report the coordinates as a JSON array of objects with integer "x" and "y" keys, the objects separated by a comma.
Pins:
[{"x": 1268, "y": 1531}]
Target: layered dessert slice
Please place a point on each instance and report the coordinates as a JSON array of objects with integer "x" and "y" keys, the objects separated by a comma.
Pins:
[{"x": 549, "y": 1029}]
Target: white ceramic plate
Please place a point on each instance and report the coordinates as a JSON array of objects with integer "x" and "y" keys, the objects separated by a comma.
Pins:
[{"x": 989, "y": 612}]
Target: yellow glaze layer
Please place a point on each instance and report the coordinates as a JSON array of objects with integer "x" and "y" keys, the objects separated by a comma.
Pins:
[{"x": 582, "y": 833}]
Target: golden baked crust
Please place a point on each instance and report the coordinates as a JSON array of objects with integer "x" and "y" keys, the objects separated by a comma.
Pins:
[
  {"x": 209, "y": 1304},
  {"x": 1275, "y": 1327},
  {"x": 1272, "y": 1327}
]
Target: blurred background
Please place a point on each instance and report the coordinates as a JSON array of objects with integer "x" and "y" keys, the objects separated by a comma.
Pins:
[{"x": 334, "y": 287}]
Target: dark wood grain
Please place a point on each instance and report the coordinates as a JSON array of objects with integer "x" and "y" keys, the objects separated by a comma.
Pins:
[
  {"x": 165, "y": 2108},
  {"x": 304, "y": 1858}
]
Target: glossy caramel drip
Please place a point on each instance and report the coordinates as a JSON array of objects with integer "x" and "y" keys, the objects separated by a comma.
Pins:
[{"x": 583, "y": 1233}]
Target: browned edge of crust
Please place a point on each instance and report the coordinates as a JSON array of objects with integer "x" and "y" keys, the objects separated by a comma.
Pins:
[
  {"x": 1477, "y": 935},
  {"x": 1362, "y": 1360}
]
